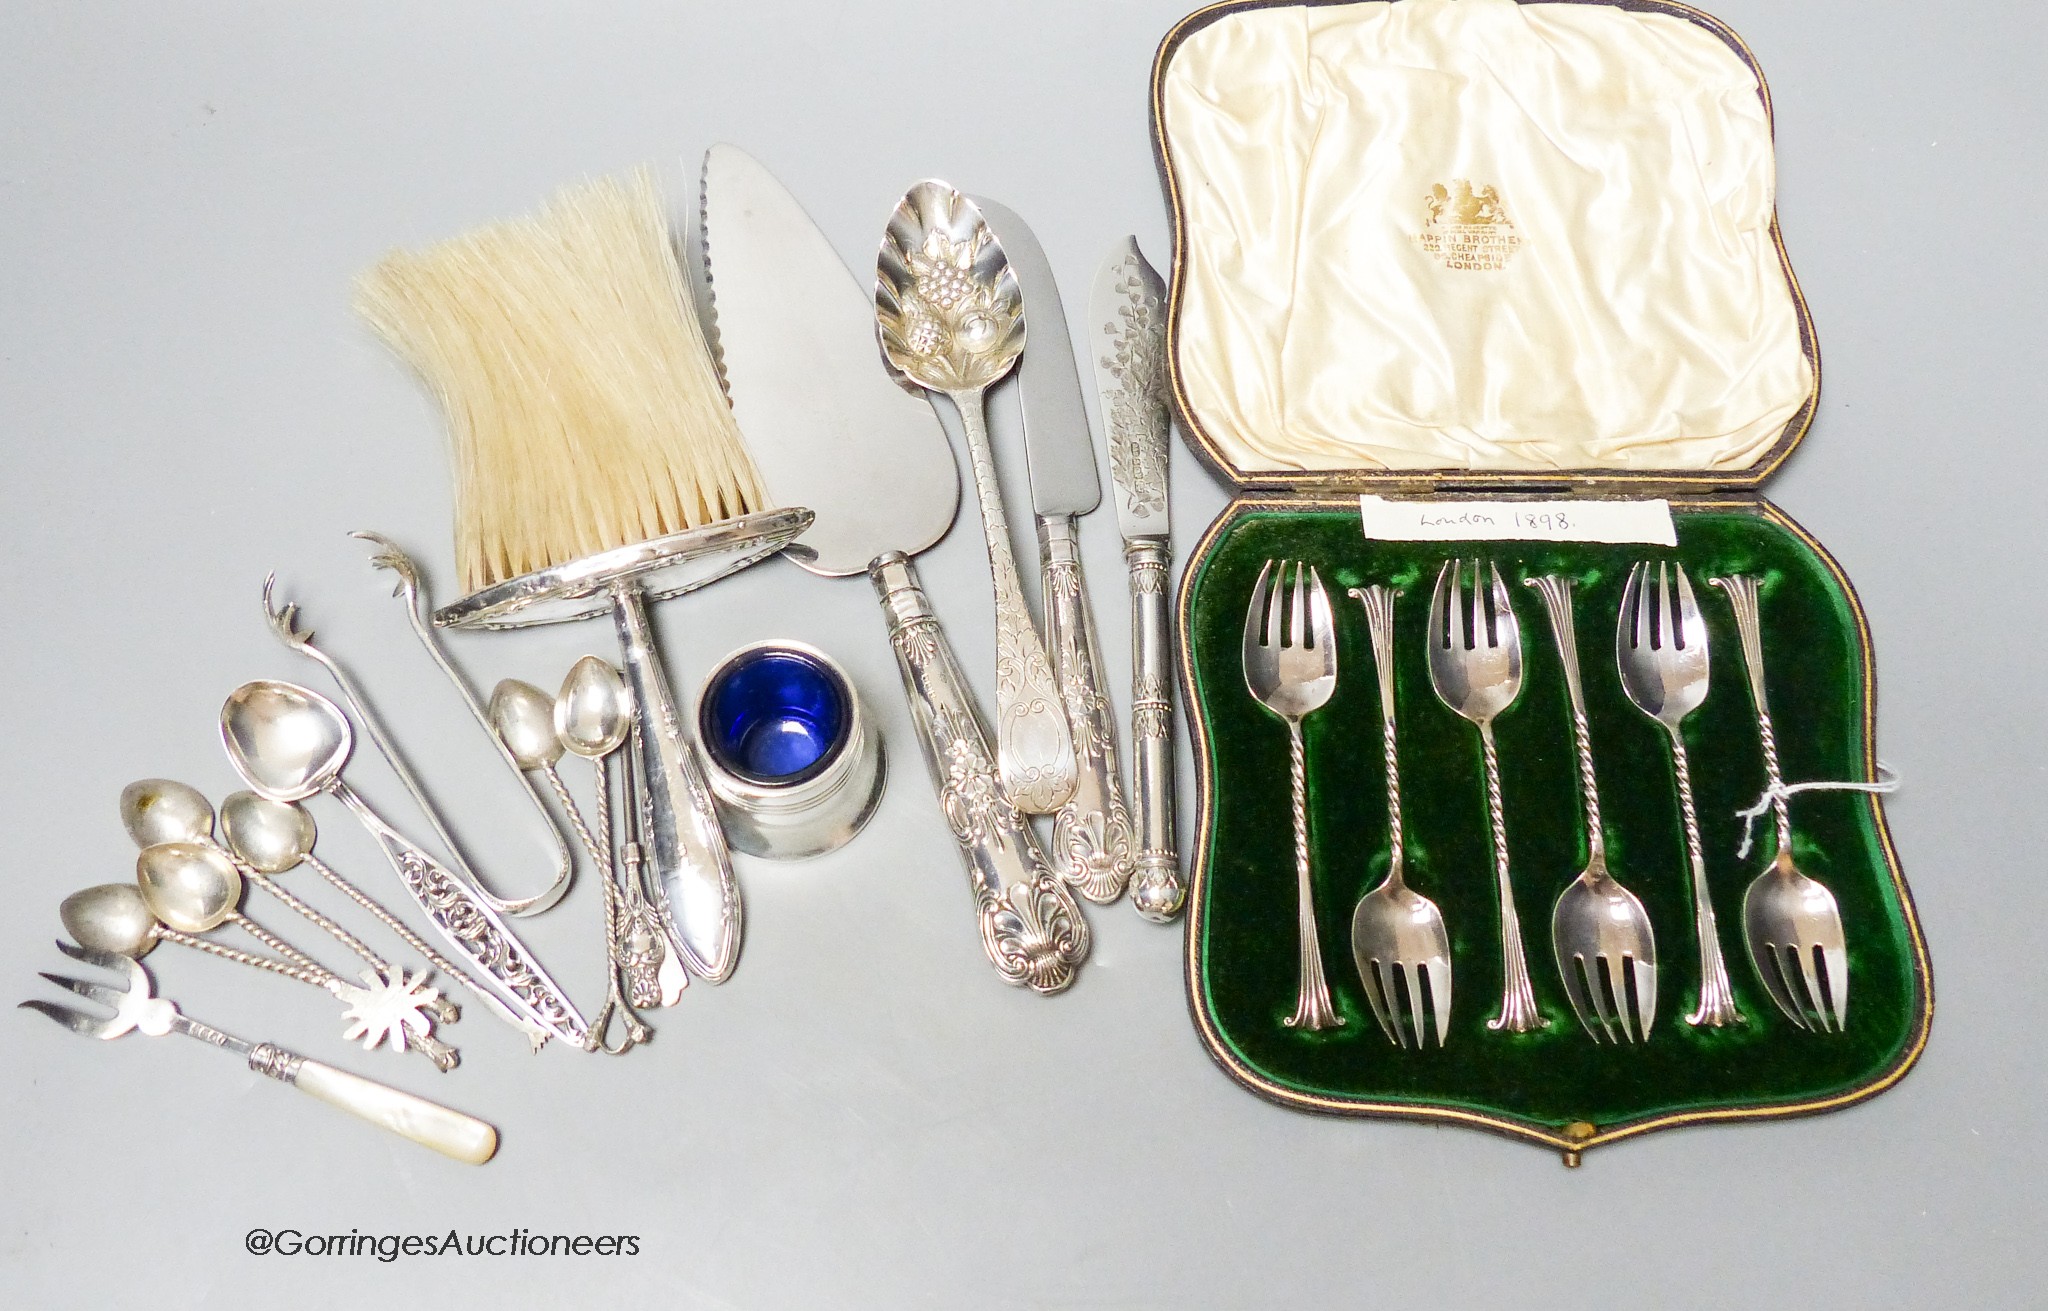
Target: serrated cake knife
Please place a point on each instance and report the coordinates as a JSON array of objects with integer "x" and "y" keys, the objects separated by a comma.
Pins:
[
  {"x": 794, "y": 336},
  {"x": 1091, "y": 836},
  {"x": 1127, "y": 336}
]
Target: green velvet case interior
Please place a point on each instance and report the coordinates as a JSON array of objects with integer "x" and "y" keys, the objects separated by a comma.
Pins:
[{"x": 1555, "y": 1081}]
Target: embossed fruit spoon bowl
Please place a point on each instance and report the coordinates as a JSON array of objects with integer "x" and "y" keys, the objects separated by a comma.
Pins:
[{"x": 950, "y": 318}]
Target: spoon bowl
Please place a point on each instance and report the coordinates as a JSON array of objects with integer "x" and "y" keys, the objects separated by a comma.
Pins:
[
  {"x": 268, "y": 836},
  {"x": 288, "y": 743},
  {"x": 191, "y": 886},
  {"x": 524, "y": 717},
  {"x": 110, "y": 917},
  {"x": 594, "y": 711},
  {"x": 164, "y": 810},
  {"x": 949, "y": 309}
]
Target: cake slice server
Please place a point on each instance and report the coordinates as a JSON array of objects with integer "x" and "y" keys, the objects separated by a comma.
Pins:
[{"x": 794, "y": 337}]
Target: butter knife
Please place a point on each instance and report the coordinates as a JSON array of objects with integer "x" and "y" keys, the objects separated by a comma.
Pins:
[
  {"x": 1091, "y": 835},
  {"x": 1127, "y": 334}
]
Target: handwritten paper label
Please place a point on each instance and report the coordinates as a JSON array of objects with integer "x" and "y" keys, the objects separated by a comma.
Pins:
[{"x": 1439, "y": 520}]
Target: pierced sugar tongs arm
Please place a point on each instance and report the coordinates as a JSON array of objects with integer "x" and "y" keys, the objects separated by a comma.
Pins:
[{"x": 411, "y": 586}]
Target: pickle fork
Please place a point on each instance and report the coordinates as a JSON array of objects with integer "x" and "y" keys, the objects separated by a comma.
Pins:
[{"x": 429, "y": 1124}]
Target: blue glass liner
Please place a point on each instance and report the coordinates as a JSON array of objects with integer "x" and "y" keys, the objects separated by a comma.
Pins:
[{"x": 775, "y": 717}]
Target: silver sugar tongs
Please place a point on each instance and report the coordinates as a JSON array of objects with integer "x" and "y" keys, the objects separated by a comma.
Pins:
[{"x": 283, "y": 621}]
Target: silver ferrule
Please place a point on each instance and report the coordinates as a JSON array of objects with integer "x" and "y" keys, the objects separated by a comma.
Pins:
[
  {"x": 275, "y": 1062},
  {"x": 1058, "y": 542},
  {"x": 903, "y": 596}
]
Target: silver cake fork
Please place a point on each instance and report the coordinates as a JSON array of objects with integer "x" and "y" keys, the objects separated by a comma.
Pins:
[
  {"x": 1397, "y": 934},
  {"x": 1599, "y": 930},
  {"x": 1660, "y": 647},
  {"x": 1788, "y": 918},
  {"x": 1291, "y": 670},
  {"x": 1475, "y": 665}
]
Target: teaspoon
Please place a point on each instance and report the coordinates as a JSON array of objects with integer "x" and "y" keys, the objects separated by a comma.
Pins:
[
  {"x": 289, "y": 743},
  {"x": 161, "y": 811},
  {"x": 524, "y": 718},
  {"x": 273, "y": 837},
  {"x": 593, "y": 718}
]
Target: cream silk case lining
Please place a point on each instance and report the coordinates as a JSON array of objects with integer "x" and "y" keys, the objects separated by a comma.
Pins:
[{"x": 1473, "y": 234}]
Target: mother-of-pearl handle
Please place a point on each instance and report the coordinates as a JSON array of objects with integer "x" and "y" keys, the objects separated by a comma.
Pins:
[{"x": 430, "y": 1124}]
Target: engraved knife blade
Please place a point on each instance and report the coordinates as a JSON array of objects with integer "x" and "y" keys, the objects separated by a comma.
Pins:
[{"x": 1127, "y": 338}]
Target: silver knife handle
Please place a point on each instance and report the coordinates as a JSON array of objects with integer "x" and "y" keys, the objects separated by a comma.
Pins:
[
  {"x": 1035, "y": 750},
  {"x": 480, "y": 939},
  {"x": 1091, "y": 835},
  {"x": 1157, "y": 889},
  {"x": 690, "y": 868},
  {"x": 1031, "y": 927}
]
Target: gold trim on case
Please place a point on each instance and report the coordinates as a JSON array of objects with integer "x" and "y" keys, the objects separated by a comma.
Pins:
[
  {"x": 1578, "y": 1137},
  {"x": 1633, "y": 482}
]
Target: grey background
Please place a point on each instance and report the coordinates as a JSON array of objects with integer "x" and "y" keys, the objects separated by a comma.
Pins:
[{"x": 863, "y": 1116}]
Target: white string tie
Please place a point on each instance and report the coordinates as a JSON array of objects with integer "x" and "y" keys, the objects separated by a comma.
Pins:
[{"x": 1887, "y": 781}]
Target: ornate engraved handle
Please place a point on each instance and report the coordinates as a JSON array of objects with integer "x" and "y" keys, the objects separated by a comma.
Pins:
[
  {"x": 1092, "y": 834},
  {"x": 1157, "y": 889},
  {"x": 691, "y": 869},
  {"x": 1031, "y": 927},
  {"x": 1033, "y": 744},
  {"x": 480, "y": 939}
]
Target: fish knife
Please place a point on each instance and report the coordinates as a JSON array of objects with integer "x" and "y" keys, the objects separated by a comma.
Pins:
[{"x": 1127, "y": 336}]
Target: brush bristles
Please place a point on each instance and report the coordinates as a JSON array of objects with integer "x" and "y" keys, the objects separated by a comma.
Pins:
[{"x": 583, "y": 409}]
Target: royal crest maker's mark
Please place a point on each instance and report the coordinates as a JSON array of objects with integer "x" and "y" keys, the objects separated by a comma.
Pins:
[{"x": 1467, "y": 227}]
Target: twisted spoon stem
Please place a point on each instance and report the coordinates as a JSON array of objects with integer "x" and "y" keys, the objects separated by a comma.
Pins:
[
  {"x": 1312, "y": 1007},
  {"x": 615, "y": 1003},
  {"x": 1518, "y": 1012},
  {"x": 1717, "y": 997}
]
